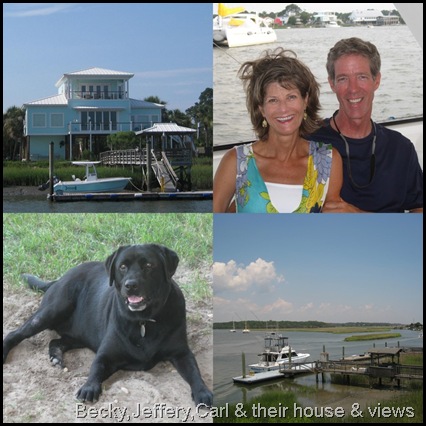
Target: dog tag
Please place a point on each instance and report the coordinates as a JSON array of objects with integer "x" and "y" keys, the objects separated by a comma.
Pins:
[{"x": 143, "y": 327}]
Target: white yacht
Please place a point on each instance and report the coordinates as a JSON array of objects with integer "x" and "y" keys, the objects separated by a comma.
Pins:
[
  {"x": 231, "y": 28},
  {"x": 276, "y": 352}
]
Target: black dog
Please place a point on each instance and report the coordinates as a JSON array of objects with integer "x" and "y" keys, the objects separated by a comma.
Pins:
[{"x": 128, "y": 310}]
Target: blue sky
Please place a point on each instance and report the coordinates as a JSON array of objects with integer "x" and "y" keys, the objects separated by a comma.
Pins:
[
  {"x": 332, "y": 268},
  {"x": 167, "y": 46}
]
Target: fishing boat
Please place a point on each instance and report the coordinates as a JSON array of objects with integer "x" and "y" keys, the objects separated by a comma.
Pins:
[
  {"x": 91, "y": 182},
  {"x": 276, "y": 353},
  {"x": 233, "y": 28}
]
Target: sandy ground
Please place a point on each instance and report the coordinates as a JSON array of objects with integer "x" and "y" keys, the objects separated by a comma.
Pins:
[{"x": 36, "y": 392}]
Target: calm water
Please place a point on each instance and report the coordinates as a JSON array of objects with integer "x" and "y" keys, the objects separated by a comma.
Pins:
[
  {"x": 399, "y": 95},
  {"x": 229, "y": 346},
  {"x": 42, "y": 205}
]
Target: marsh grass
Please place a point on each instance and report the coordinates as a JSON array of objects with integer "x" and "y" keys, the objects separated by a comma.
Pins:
[
  {"x": 405, "y": 407},
  {"x": 49, "y": 244},
  {"x": 36, "y": 173},
  {"x": 374, "y": 336}
]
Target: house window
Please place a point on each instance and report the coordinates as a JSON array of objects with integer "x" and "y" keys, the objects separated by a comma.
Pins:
[
  {"x": 56, "y": 120},
  {"x": 99, "y": 120},
  {"x": 39, "y": 120}
]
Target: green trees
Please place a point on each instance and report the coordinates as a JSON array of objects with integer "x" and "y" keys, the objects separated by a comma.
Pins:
[{"x": 13, "y": 132}]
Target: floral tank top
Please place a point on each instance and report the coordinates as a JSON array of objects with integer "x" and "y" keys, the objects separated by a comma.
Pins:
[{"x": 251, "y": 195}]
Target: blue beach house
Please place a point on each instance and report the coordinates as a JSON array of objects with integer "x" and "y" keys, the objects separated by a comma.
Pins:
[{"x": 90, "y": 105}]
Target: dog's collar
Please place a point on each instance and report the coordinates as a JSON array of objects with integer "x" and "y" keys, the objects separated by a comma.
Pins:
[{"x": 143, "y": 330}]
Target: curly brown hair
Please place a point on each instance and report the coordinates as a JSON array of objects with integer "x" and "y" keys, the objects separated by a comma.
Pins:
[{"x": 279, "y": 66}]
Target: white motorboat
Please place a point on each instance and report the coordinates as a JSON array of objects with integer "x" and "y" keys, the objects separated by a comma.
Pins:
[
  {"x": 91, "y": 182},
  {"x": 277, "y": 352},
  {"x": 332, "y": 24},
  {"x": 232, "y": 28}
]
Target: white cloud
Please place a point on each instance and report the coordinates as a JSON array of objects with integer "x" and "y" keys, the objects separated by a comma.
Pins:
[
  {"x": 24, "y": 10},
  {"x": 280, "y": 306},
  {"x": 230, "y": 276}
]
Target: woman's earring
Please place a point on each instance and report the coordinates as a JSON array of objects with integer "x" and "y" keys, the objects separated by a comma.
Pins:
[
  {"x": 264, "y": 123},
  {"x": 305, "y": 116}
]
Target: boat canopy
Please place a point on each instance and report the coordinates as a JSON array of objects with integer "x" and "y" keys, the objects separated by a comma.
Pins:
[
  {"x": 223, "y": 10},
  {"x": 85, "y": 163}
]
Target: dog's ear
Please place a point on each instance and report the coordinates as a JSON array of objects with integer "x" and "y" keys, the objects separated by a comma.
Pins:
[
  {"x": 171, "y": 259},
  {"x": 110, "y": 264}
]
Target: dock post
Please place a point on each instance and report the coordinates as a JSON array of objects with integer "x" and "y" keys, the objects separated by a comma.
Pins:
[
  {"x": 148, "y": 165},
  {"x": 243, "y": 361},
  {"x": 51, "y": 168}
]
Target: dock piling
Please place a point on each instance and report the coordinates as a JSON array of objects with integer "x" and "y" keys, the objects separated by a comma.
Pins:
[{"x": 51, "y": 168}]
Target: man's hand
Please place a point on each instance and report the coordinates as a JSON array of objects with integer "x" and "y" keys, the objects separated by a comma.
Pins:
[{"x": 340, "y": 206}]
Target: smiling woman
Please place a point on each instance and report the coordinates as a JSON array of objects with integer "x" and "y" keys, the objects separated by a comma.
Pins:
[{"x": 282, "y": 172}]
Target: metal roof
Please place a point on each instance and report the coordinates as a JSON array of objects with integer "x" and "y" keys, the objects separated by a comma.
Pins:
[
  {"x": 62, "y": 100},
  {"x": 166, "y": 128},
  {"x": 51, "y": 100},
  {"x": 137, "y": 103},
  {"x": 95, "y": 73}
]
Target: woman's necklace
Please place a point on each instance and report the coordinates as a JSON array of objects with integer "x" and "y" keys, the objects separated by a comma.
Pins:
[{"x": 372, "y": 158}]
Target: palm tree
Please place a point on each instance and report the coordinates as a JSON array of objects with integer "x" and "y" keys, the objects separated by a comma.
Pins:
[
  {"x": 13, "y": 132},
  {"x": 157, "y": 100},
  {"x": 202, "y": 113}
]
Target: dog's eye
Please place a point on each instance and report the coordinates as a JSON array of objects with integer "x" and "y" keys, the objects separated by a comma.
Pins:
[
  {"x": 148, "y": 265},
  {"x": 123, "y": 268}
]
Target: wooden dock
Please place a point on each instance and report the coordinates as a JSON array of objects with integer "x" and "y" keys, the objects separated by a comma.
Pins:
[
  {"x": 286, "y": 370},
  {"x": 132, "y": 196},
  {"x": 369, "y": 366}
]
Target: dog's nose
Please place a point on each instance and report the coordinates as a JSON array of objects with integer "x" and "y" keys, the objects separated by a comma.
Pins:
[{"x": 130, "y": 284}]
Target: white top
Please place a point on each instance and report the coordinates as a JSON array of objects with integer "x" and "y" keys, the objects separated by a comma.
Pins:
[{"x": 285, "y": 198}]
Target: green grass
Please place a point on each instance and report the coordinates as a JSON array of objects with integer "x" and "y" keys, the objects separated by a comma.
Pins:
[
  {"x": 374, "y": 336},
  {"x": 405, "y": 407},
  {"x": 48, "y": 244},
  {"x": 17, "y": 173}
]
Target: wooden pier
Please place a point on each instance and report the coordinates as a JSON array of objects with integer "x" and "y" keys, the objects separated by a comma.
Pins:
[
  {"x": 370, "y": 367},
  {"x": 132, "y": 196}
]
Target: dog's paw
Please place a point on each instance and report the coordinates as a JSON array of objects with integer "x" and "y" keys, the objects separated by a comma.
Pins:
[
  {"x": 204, "y": 397},
  {"x": 56, "y": 362},
  {"x": 89, "y": 392}
]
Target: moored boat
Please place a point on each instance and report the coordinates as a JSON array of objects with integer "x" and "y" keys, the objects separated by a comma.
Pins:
[
  {"x": 276, "y": 352},
  {"x": 91, "y": 183},
  {"x": 232, "y": 28}
]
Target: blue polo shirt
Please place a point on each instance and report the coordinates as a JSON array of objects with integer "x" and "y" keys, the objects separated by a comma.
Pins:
[{"x": 397, "y": 184}]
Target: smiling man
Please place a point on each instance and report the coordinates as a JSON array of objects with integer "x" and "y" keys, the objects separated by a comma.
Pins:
[{"x": 381, "y": 171}]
